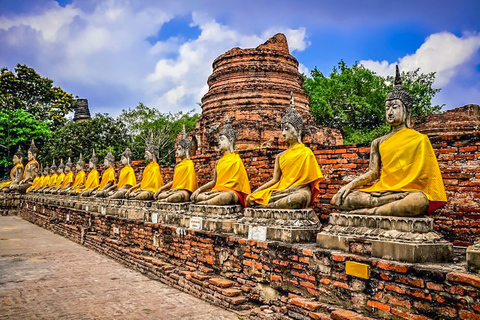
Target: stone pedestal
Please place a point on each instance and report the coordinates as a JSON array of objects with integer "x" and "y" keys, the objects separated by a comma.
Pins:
[
  {"x": 9, "y": 202},
  {"x": 212, "y": 218},
  {"x": 167, "y": 213},
  {"x": 473, "y": 258},
  {"x": 284, "y": 225},
  {"x": 394, "y": 238}
]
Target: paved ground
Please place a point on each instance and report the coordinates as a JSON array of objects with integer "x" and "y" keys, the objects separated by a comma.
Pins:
[{"x": 44, "y": 276}]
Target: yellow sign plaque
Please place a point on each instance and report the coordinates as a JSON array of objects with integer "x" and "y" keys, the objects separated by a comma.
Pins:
[{"x": 360, "y": 270}]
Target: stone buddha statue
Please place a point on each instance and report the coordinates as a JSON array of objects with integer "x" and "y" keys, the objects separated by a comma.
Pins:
[
  {"x": 108, "y": 177},
  {"x": 184, "y": 179},
  {"x": 296, "y": 174},
  {"x": 230, "y": 183},
  {"x": 37, "y": 182},
  {"x": 79, "y": 181},
  {"x": 151, "y": 176},
  {"x": 31, "y": 169},
  {"x": 44, "y": 180},
  {"x": 52, "y": 180},
  {"x": 16, "y": 173},
  {"x": 409, "y": 181},
  {"x": 68, "y": 179},
  {"x": 92, "y": 182},
  {"x": 60, "y": 178},
  {"x": 126, "y": 179}
]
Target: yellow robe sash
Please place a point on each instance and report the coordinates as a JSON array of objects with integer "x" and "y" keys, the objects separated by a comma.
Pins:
[
  {"x": 12, "y": 172},
  {"x": 45, "y": 181},
  {"x": 409, "y": 164},
  {"x": 28, "y": 165},
  {"x": 299, "y": 167},
  {"x": 36, "y": 182},
  {"x": 92, "y": 181},
  {"x": 107, "y": 176},
  {"x": 79, "y": 180},
  {"x": 232, "y": 176},
  {"x": 53, "y": 180},
  {"x": 184, "y": 176},
  {"x": 60, "y": 179},
  {"x": 127, "y": 176},
  {"x": 151, "y": 177},
  {"x": 68, "y": 179}
]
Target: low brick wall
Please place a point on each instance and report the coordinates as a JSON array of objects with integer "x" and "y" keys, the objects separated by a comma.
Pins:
[{"x": 269, "y": 280}]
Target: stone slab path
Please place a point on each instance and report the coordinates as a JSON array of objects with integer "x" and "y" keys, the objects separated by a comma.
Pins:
[{"x": 45, "y": 276}]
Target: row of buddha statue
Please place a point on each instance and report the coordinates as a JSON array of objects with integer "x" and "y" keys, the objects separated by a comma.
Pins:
[{"x": 403, "y": 164}]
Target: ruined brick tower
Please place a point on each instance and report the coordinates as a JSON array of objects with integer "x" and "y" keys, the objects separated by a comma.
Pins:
[{"x": 253, "y": 86}]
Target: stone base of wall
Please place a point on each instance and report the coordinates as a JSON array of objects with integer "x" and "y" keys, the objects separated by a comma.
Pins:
[{"x": 269, "y": 279}]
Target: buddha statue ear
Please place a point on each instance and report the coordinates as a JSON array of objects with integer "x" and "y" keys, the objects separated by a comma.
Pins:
[{"x": 407, "y": 116}]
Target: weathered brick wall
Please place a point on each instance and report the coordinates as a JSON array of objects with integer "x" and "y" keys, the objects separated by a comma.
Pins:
[{"x": 293, "y": 281}]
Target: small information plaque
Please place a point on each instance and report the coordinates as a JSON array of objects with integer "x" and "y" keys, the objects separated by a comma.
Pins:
[
  {"x": 116, "y": 230},
  {"x": 196, "y": 223},
  {"x": 34, "y": 208},
  {"x": 86, "y": 208},
  {"x": 154, "y": 217},
  {"x": 257, "y": 233},
  {"x": 68, "y": 217},
  {"x": 103, "y": 210},
  {"x": 356, "y": 269}
]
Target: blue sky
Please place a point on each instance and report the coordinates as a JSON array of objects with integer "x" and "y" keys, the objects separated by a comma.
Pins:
[{"x": 117, "y": 53}]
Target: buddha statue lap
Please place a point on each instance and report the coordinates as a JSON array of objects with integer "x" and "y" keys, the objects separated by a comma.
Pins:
[
  {"x": 230, "y": 183},
  {"x": 184, "y": 181}
]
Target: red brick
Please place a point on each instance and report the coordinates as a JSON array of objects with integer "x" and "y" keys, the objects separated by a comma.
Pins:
[
  {"x": 307, "y": 252},
  {"x": 470, "y": 279},
  {"x": 275, "y": 277},
  {"x": 220, "y": 282},
  {"x": 447, "y": 311},
  {"x": 319, "y": 316},
  {"x": 435, "y": 286},
  {"x": 338, "y": 257},
  {"x": 410, "y": 281},
  {"x": 231, "y": 292},
  {"x": 395, "y": 288},
  {"x": 467, "y": 315},
  {"x": 392, "y": 267},
  {"x": 399, "y": 302},
  {"x": 341, "y": 284},
  {"x": 307, "y": 284},
  {"x": 325, "y": 281},
  {"x": 467, "y": 149},
  {"x": 407, "y": 315},
  {"x": 378, "y": 305},
  {"x": 342, "y": 314}
]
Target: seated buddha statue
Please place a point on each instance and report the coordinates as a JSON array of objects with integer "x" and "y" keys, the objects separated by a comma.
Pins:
[
  {"x": 151, "y": 176},
  {"x": 126, "y": 178},
  {"x": 296, "y": 174},
  {"x": 44, "y": 180},
  {"x": 37, "y": 182},
  {"x": 51, "y": 178},
  {"x": 68, "y": 178},
  {"x": 59, "y": 179},
  {"x": 108, "y": 177},
  {"x": 93, "y": 181},
  {"x": 16, "y": 173},
  {"x": 31, "y": 170},
  {"x": 79, "y": 180},
  {"x": 184, "y": 179},
  {"x": 230, "y": 183},
  {"x": 409, "y": 181}
]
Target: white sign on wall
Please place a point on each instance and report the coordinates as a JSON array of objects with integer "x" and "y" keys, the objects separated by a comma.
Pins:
[
  {"x": 257, "y": 233},
  {"x": 68, "y": 217},
  {"x": 116, "y": 230},
  {"x": 154, "y": 217},
  {"x": 196, "y": 223}
]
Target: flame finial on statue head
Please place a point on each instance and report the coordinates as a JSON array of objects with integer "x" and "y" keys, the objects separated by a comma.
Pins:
[
  {"x": 110, "y": 157},
  {"x": 19, "y": 152},
  {"x": 399, "y": 92},
  {"x": 151, "y": 146},
  {"x": 81, "y": 162},
  {"x": 184, "y": 142},
  {"x": 33, "y": 148}
]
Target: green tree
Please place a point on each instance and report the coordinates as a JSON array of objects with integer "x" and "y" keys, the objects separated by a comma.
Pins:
[
  {"x": 142, "y": 120},
  {"x": 100, "y": 133},
  {"x": 23, "y": 88},
  {"x": 352, "y": 99},
  {"x": 18, "y": 127}
]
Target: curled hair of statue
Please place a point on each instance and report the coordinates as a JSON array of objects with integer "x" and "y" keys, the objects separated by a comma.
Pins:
[
  {"x": 292, "y": 116},
  {"x": 81, "y": 162},
  {"x": 19, "y": 152},
  {"x": 184, "y": 141},
  {"x": 61, "y": 165},
  {"x": 94, "y": 158},
  {"x": 33, "y": 148},
  {"x": 399, "y": 92},
  {"x": 110, "y": 157},
  {"x": 127, "y": 153},
  {"x": 228, "y": 131},
  {"x": 151, "y": 146}
]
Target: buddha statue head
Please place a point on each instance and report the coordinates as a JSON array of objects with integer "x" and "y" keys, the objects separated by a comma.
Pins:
[
  {"x": 68, "y": 165},
  {"x": 32, "y": 151},
  {"x": 53, "y": 167},
  {"x": 109, "y": 160},
  {"x": 61, "y": 167},
  {"x": 18, "y": 156},
  {"x": 126, "y": 156},
  {"x": 80, "y": 163},
  {"x": 292, "y": 124},
  {"x": 183, "y": 146},
  {"x": 151, "y": 149},
  {"x": 45, "y": 170},
  {"x": 398, "y": 104},
  {"x": 92, "y": 164},
  {"x": 227, "y": 137}
]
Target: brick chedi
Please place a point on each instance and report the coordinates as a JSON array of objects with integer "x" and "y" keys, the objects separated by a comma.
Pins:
[{"x": 253, "y": 86}]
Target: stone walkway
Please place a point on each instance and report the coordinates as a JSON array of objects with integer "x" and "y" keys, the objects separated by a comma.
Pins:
[{"x": 44, "y": 276}]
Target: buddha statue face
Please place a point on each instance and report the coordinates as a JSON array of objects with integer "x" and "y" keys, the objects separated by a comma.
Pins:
[
  {"x": 395, "y": 112},
  {"x": 148, "y": 156},
  {"x": 180, "y": 152},
  {"x": 31, "y": 155},
  {"x": 124, "y": 160},
  {"x": 91, "y": 165},
  {"x": 107, "y": 163},
  {"x": 16, "y": 159},
  {"x": 78, "y": 167},
  {"x": 68, "y": 168},
  {"x": 52, "y": 171},
  {"x": 60, "y": 170},
  {"x": 224, "y": 144},
  {"x": 290, "y": 134}
]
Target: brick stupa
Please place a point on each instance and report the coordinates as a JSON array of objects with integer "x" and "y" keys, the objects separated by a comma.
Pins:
[{"x": 252, "y": 87}]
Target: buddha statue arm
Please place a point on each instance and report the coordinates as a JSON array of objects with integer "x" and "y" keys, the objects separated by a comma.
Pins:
[
  {"x": 163, "y": 188},
  {"x": 277, "y": 174},
  {"x": 372, "y": 174},
  {"x": 206, "y": 186}
]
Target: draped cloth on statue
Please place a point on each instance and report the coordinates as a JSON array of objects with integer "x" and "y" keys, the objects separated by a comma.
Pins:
[
  {"x": 60, "y": 179},
  {"x": 67, "y": 180},
  {"x": 45, "y": 181},
  {"x": 27, "y": 167},
  {"x": 53, "y": 180},
  {"x": 107, "y": 176},
  {"x": 127, "y": 176},
  {"x": 409, "y": 164},
  {"x": 92, "y": 181},
  {"x": 299, "y": 167},
  {"x": 12, "y": 175},
  {"x": 184, "y": 176},
  {"x": 232, "y": 176},
  {"x": 151, "y": 178},
  {"x": 79, "y": 180},
  {"x": 36, "y": 183}
]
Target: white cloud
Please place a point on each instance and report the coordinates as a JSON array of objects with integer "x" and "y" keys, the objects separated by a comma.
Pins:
[{"x": 443, "y": 53}]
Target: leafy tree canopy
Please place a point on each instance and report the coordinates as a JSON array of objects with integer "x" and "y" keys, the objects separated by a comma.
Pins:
[
  {"x": 23, "y": 88},
  {"x": 352, "y": 99}
]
